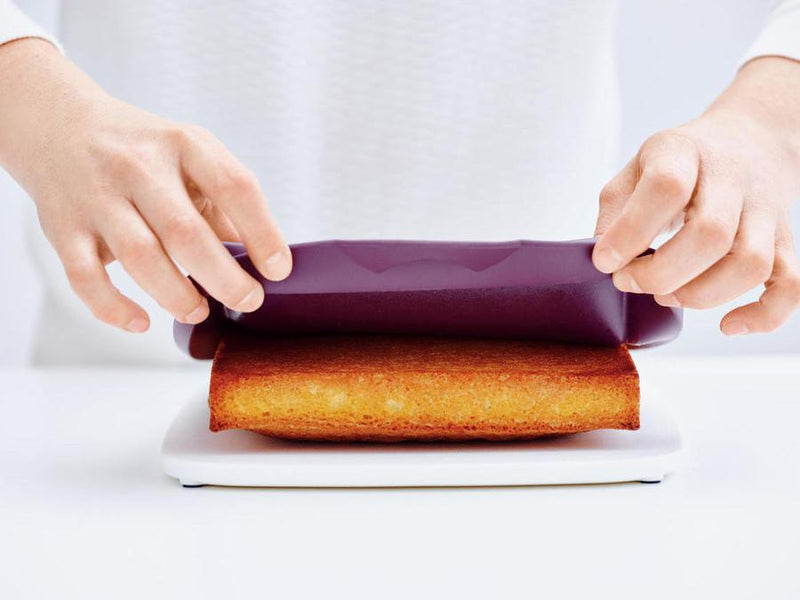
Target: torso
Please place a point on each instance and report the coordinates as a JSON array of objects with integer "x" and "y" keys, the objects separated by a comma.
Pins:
[{"x": 426, "y": 120}]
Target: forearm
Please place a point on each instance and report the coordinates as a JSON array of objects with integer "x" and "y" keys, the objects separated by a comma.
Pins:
[{"x": 43, "y": 92}]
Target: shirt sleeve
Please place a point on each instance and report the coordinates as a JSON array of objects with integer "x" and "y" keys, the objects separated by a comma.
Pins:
[
  {"x": 15, "y": 25},
  {"x": 780, "y": 35}
]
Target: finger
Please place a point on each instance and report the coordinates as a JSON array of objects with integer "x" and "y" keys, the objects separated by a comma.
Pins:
[
  {"x": 779, "y": 300},
  {"x": 188, "y": 239},
  {"x": 614, "y": 195},
  {"x": 133, "y": 243},
  {"x": 90, "y": 282},
  {"x": 748, "y": 265},
  {"x": 236, "y": 191},
  {"x": 707, "y": 236},
  {"x": 220, "y": 224},
  {"x": 669, "y": 166}
]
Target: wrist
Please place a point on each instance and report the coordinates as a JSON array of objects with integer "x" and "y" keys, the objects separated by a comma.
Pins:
[{"x": 766, "y": 94}]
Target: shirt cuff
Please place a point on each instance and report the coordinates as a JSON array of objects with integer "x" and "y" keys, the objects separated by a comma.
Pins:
[
  {"x": 780, "y": 35},
  {"x": 15, "y": 25}
]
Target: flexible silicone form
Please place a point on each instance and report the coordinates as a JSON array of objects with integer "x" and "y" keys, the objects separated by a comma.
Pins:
[{"x": 547, "y": 291}]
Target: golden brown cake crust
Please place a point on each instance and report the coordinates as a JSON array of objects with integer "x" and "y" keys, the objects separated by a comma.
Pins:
[{"x": 392, "y": 388}]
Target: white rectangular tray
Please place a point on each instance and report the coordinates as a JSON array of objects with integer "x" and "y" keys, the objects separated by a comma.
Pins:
[{"x": 196, "y": 456}]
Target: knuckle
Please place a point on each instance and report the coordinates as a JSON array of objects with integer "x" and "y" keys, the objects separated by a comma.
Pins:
[
  {"x": 756, "y": 263},
  {"x": 716, "y": 233},
  {"x": 669, "y": 182},
  {"x": 131, "y": 163},
  {"x": 188, "y": 133},
  {"x": 177, "y": 134},
  {"x": 194, "y": 131},
  {"x": 138, "y": 249},
  {"x": 235, "y": 182},
  {"x": 81, "y": 275},
  {"x": 183, "y": 228},
  {"x": 658, "y": 140},
  {"x": 672, "y": 140}
]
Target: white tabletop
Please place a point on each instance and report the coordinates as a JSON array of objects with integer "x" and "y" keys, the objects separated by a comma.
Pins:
[{"x": 85, "y": 510}]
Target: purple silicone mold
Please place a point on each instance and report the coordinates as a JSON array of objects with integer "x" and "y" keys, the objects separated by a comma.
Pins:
[{"x": 547, "y": 291}]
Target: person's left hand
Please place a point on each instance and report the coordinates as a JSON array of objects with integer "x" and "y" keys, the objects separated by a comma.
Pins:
[{"x": 730, "y": 176}]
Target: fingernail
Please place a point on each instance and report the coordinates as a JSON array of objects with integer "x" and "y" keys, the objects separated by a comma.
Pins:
[
  {"x": 252, "y": 301},
  {"x": 607, "y": 260},
  {"x": 278, "y": 266},
  {"x": 137, "y": 325},
  {"x": 198, "y": 315},
  {"x": 735, "y": 327},
  {"x": 626, "y": 283},
  {"x": 668, "y": 300}
]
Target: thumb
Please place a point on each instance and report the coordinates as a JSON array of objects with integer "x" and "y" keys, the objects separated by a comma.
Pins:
[{"x": 614, "y": 196}]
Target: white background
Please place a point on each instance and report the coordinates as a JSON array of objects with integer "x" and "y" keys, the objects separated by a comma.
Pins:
[{"x": 674, "y": 57}]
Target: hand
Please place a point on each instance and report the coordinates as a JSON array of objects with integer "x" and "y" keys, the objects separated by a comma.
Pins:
[
  {"x": 111, "y": 181},
  {"x": 730, "y": 177}
]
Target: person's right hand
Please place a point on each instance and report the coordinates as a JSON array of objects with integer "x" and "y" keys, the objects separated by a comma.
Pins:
[{"x": 111, "y": 181}]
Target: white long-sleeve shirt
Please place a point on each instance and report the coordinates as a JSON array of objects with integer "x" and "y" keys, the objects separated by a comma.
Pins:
[
  {"x": 367, "y": 119},
  {"x": 15, "y": 25}
]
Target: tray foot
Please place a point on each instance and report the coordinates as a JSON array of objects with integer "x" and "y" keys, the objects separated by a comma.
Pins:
[{"x": 188, "y": 483}]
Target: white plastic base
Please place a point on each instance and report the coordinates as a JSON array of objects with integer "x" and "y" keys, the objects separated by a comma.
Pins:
[{"x": 195, "y": 456}]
